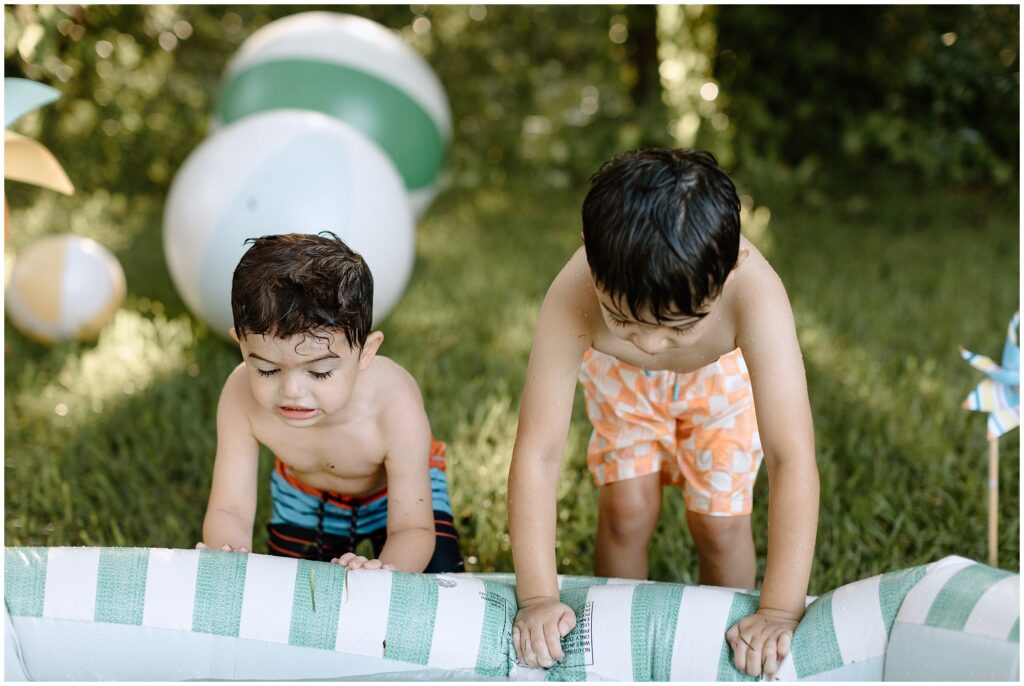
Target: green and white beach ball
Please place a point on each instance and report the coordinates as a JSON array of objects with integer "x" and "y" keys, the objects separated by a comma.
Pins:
[
  {"x": 64, "y": 287},
  {"x": 352, "y": 69},
  {"x": 285, "y": 171}
]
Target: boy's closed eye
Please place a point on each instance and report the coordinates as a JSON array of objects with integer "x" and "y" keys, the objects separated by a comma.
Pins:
[{"x": 315, "y": 375}]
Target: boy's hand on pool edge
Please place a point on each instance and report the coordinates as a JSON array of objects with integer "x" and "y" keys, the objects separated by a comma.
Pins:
[
  {"x": 538, "y": 629},
  {"x": 225, "y": 548},
  {"x": 760, "y": 641},
  {"x": 353, "y": 561}
]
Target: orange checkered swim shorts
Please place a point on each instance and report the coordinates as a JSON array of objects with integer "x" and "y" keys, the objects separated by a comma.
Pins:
[{"x": 698, "y": 429}]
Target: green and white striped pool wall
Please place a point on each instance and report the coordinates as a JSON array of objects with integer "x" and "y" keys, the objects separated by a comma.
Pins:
[
  {"x": 260, "y": 597},
  {"x": 901, "y": 625},
  {"x": 960, "y": 622}
]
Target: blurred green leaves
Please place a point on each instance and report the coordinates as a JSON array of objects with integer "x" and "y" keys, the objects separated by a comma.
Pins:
[
  {"x": 545, "y": 88},
  {"x": 933, "y": 90}
]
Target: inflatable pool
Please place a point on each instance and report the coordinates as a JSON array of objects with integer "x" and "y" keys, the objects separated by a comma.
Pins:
[{"x": 164, "y": 615}]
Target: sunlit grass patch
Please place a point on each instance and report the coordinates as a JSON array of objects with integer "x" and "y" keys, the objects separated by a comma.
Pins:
[{"x": 131, "y": 353}]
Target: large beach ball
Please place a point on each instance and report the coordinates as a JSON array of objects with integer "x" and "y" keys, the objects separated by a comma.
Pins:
[
  {"x": 64, "y": 287},
  {"x": 352, "y": 69},
  {"x": 286, "y": 171}
]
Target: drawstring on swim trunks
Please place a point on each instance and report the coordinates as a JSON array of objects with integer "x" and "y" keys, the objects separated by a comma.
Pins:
[
  {"x": 352, "y": 529},
  {"x": 320, "y": 526},
  {"x": 321, "y": 514}
]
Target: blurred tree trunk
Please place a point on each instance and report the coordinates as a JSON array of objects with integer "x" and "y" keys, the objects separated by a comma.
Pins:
[
  {"x": 652, "y": 114},
  {"x": 643, "y": 34}
]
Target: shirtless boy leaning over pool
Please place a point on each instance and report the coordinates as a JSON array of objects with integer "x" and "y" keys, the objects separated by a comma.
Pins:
[
  {"x": 355, "y": 458},
  {"x": 678, "y": 328}
]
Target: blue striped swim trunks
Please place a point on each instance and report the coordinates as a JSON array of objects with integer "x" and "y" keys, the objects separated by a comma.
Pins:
[{"x": 310, "y": 523}]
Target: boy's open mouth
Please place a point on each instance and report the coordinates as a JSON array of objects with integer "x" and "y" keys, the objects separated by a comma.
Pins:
[{"x": 293, "y": 412}]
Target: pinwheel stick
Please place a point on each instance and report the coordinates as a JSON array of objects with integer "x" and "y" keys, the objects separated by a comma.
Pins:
[{"x": 993, "y": 498}]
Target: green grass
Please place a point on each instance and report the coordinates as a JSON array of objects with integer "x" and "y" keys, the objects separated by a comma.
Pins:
[{"x": 886, "y": 282}]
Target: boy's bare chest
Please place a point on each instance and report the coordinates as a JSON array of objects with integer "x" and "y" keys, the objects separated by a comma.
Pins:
[{"x": 346, "y": 460}]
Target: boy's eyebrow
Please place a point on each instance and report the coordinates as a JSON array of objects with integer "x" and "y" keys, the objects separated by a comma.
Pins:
[{"x": 329, "y": 356}]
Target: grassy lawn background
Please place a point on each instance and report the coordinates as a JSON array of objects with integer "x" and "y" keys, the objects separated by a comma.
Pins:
[{"x": 112, "y": 443}]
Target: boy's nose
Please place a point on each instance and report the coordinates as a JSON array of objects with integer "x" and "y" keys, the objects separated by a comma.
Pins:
[
  {"x": 292, "y": 387},
  {"x": 651, "y": 343}
]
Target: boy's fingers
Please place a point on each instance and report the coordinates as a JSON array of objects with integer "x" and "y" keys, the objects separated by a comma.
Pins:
[
  {"x": 372, "y": 564},
  {"x": 516, "y": 643},
  {"x": 566, "y": 623},
  {"x": 529, "y": 657},
  {"x": 554, "y": 646},
  {"x": 202, "y": 546},
  {"x": 785, "y": 643},
  {"x": 540, "y": 647},
  {"x": 739, "y": 655},
  {"x": 753, "y": 663},
  {"x": 770, "y": 663}
]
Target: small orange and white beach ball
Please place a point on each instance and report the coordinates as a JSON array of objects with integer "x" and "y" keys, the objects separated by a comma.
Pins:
[{"x": 64, "y": 287}]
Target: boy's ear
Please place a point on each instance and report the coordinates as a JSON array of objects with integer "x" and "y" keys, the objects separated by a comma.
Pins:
[
  {"x": 234, "y": 334},
  {"x": 739, "y": 260},
  {"x": 370, "y": 348}
]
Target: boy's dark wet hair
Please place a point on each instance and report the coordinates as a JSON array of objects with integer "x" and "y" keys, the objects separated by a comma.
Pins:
[
  {"x": 302, "y": 284},
  {"x": 661, "y": 229}
]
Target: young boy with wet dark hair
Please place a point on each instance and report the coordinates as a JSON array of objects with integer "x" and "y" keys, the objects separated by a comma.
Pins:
[
  {"x": 354, "y": 455},
  {"x": 677, "y": 328}
]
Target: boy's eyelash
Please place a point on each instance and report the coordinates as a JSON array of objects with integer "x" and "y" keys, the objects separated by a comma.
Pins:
[
  {"x": 682, "y": 332},
  {"x": 316, "y": 375}
]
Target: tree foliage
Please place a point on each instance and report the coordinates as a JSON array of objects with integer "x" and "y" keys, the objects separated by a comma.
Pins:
[
  {"x": 931, "y": 89},
  {"x": 547, "y": 88},
  {"x": 557, "y": 89}
]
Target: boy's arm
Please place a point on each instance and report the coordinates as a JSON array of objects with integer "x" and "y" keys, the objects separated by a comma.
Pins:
[
  {"x": 767, "y": 337},
  {"x": 411, "y": 534},
  {"x": 232, "y": 504},
  {"x": 559, "y": 343}
]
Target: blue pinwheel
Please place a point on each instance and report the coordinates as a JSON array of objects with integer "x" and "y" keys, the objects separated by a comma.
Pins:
[{"x": 999, "y": 395}]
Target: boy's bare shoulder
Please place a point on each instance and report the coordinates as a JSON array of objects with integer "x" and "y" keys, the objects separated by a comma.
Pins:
[
  {"x": 574, "y": 278},
  {"x": 757, "y": 287},
  {"x": 760, "y": 305},
  {"x": 397, "y": 403},
  {"x": 392, "y": 385},
  {"x": 236, "y": 387},
  {"x": 236, "y": 406},
  {"x": 572, "y": 291}
]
